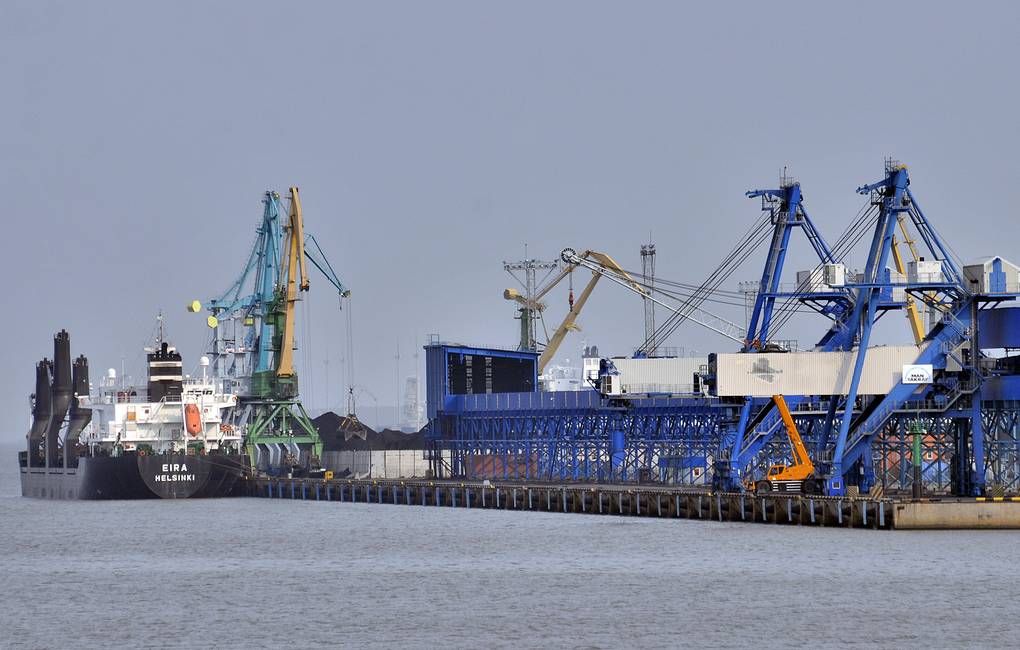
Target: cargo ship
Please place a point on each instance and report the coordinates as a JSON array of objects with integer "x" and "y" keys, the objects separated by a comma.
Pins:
[{"x": 168, "y": 439}]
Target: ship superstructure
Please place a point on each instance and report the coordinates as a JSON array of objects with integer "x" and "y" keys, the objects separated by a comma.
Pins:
[{"x": 172, "y": 414}]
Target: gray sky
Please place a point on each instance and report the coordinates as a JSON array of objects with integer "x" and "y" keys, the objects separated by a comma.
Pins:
[{"x": 431, "y": 141}]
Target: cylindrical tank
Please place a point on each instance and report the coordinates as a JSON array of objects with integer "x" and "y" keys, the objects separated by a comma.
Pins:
[{"x": 619, "y": 449}]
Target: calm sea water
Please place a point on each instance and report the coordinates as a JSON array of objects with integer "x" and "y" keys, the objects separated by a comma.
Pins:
[{"x": 275, "y": 574}]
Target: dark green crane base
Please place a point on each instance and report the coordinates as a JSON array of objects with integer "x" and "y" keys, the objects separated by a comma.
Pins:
[{"x": 281, "y": 421}]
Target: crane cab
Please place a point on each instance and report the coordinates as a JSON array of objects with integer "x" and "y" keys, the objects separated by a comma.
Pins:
[{"x": 793, "y": 478}]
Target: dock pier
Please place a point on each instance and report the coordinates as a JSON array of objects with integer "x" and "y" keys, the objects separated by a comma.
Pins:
[{"x": 596, "y": 499}]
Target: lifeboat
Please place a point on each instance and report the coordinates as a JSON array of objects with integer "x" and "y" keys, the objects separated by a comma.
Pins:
[{"x": 192, "y": 419}]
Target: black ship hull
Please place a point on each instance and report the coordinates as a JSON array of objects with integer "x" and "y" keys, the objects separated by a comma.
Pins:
[{"x": 138, "y": 476}]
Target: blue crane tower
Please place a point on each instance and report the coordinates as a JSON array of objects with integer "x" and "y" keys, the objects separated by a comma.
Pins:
[
  {"x": 845, "y": 434},
  {"x": 786, "y": 211}
]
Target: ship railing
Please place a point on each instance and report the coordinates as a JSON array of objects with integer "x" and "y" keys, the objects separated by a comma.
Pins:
[{"x": 139, "y": 395}]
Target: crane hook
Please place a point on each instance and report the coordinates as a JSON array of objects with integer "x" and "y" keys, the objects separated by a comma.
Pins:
[{"x": 570, "y": 296}]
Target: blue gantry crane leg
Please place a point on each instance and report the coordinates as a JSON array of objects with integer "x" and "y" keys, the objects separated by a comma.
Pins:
[
  {"x": 853, "y": 440},
  {"x": 787, "y": 210},
  {"x": 865, "y": 309}
]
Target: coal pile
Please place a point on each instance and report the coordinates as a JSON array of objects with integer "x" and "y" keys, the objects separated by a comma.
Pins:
[{"x": 342, "y": 433}]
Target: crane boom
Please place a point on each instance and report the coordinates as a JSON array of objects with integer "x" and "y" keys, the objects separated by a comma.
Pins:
[
  {"x": 913, "y": 315},
  {"x": 597, "y": 260},
  {"x": 295, "y": 265},
  {"x": 706, "y": 319},
  {"x": 802, "y": 467},
  {"x": 568, "y": 323}
]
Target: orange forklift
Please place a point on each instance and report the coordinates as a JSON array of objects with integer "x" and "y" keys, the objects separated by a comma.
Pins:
[{"x": 797, "y": 477}]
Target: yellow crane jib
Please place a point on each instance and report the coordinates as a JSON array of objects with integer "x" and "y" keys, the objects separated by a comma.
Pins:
[
  {"x": 603, "y": 261},
  {"x": 516, "y": 296},
  {"x": 913, "y": 315},
  {"x": 294, "y": 263},
  {"x": 597, "y": 262}
]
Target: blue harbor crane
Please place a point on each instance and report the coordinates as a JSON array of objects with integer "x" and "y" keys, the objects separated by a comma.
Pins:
[{"x": 786, "y": 212}]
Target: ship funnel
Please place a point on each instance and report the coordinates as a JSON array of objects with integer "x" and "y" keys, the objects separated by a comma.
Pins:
[
  {"x": 60, "y": 392},
  {"x": 42, "y": 408},
  {"x": 78, "y": 417}
]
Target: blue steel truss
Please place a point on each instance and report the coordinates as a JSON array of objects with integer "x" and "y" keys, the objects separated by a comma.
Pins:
[{"x": 675, "y": 441}]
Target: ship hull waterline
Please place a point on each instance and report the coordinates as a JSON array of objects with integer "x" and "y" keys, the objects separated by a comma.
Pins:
[{"x": 138, "y": 476}]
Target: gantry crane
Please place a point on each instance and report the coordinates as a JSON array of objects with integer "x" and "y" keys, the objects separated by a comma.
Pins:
[{"x": 851, "y": 421}]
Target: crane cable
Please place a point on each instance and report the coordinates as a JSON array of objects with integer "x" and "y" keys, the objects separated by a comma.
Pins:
[
  {"x": 847, "y": 241},
  {"x": 754, "y": 237},
  {"x": 695, "y": 302},
  {"x": 700, "y": 293},
  {"x": 349, "y": 366}
]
